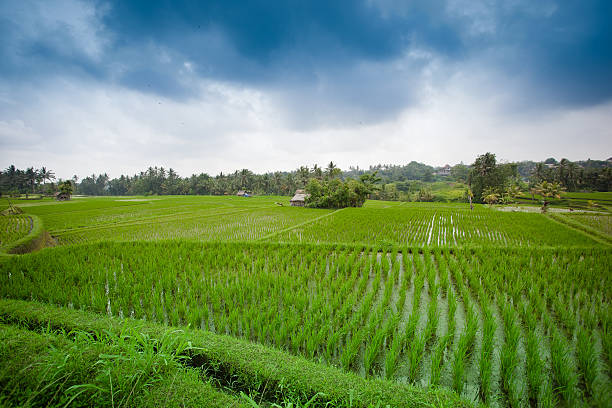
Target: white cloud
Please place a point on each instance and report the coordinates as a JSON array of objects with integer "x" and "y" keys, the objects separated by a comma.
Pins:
[{"x": 78, "y": 127}]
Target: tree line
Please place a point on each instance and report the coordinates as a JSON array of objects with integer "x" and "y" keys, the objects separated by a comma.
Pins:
[{"x": 484, "y": 175}]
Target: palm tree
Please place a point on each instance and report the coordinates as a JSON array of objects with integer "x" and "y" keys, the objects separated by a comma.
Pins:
[
  {"x": 546, "y": 190},
  {"x": 512, "y": 192},
  {"x": 46, "y": 175},
  {"x": 32, "y": 177},
  {"x": 533, "y": 191},
  {"x": 245, "y": 177},
  {"x": 470, "y": 196},
  {"x": 332, "y": 170},
  {"x": 304, "y": 175},
  {"x": 489, "y": 196}
]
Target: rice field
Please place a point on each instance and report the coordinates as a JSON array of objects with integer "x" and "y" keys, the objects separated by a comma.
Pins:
[
  {"x": 261, "y": 218},
  {"x": 461, "y": 319},
  {"x": 13, "y": 228},
  {"x": 506, "y": 309},
  {"x": 434, "y": 225},
  {"x": 599, "y": 222}
]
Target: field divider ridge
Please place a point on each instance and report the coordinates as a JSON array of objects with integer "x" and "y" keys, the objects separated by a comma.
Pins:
[{"x": 298, "y": 225}]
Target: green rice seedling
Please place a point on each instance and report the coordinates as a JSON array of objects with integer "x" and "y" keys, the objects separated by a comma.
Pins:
[
  {"x": 437, "y": 361},
  {"x": 508, "y": 364},
  {"x": 606, "y": 342},
  {"x": 351, "y": 350},
  {"x": 433, "y": 317},
  {"x": 411, "y": 326},
  {"x": 458, "y": 367},
  {"x": 563, "y": 370},
  {"x": 401, "y": 299},
  {"x": 546, "y": 398},
  {"x": 588, "y": 360},
  {"x": 332, "y": 342},
  {"x": 452, "y": 309},
  {"x": 373, "y": 349},
  {"x": 485, "y": 370},
  {"x": 509, "y": 358},
  {"x": 415, "y": 355},
  {"x": 486, "y": 356},
  {"x": 418, "y": 287},
  {"x": 392, "y": 355},
  {"x": 469, "y": 334},
  {"x": 534, "y": 367}
]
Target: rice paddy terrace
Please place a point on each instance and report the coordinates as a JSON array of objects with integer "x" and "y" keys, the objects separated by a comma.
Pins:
[
  {"x": 398, "y": 304},
  {"x": 14, "y": 227}
]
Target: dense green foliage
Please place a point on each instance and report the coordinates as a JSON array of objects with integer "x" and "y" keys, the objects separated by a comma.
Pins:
[
  {"x": 486, "y": 177},
  {"x": 335, "y": 193},
  {"x": 397, "y": 182},
  {"x": 574, "y": 176}
]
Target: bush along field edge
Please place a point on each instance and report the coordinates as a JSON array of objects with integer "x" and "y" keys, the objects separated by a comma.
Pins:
[{"x": 241, "y": 366}]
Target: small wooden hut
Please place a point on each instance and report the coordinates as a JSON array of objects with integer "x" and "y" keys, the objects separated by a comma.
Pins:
[
  {"x": 62, "y": 196},
  {"x": 299, "y": 199}
]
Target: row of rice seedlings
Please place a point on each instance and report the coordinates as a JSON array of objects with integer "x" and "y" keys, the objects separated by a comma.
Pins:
[
  {"x": 606, "y": 342},
  {"x": 433, "y": 315},
  {"x": 352, "y": 347},
  {"x": 356, "y": 330},
  {"x": 443, "y": 272},
  {"x": 536, "y": 376},
  {"x": 375, "y": 346},
  {"x": 393, "y": 353},
  {"x": 335, "y": 333},
  {"x": 588, "y": 361},
  {"x": 415, "y": 355},
  {"x": 437, "y": 360},
  {"x": 413, "y": 320},
  {"x": 394, "y": 347},
  {"x": 463, "y": 352},
  {"x": 452, "y": 310},
  {"x": 415, "y": 343},
  {"x": 509, "y": 357},
  {"x": 563, "y": 370},
  {"x": 486, "y": 354},
  {"x": 376, "y": 332}
]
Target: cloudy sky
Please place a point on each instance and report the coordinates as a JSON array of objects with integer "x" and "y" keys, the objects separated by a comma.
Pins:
[{"x": 117, "y": 86}]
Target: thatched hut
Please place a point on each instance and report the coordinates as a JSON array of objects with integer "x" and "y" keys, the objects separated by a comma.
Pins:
[
  {"x": 62, "y": 196},
  {"x": 299, "y": 199}
]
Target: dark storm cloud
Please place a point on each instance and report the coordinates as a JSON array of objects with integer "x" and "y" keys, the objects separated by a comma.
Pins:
[
  {"x": 559, "y": 52},
  {"x": 562, "y": 49}
]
